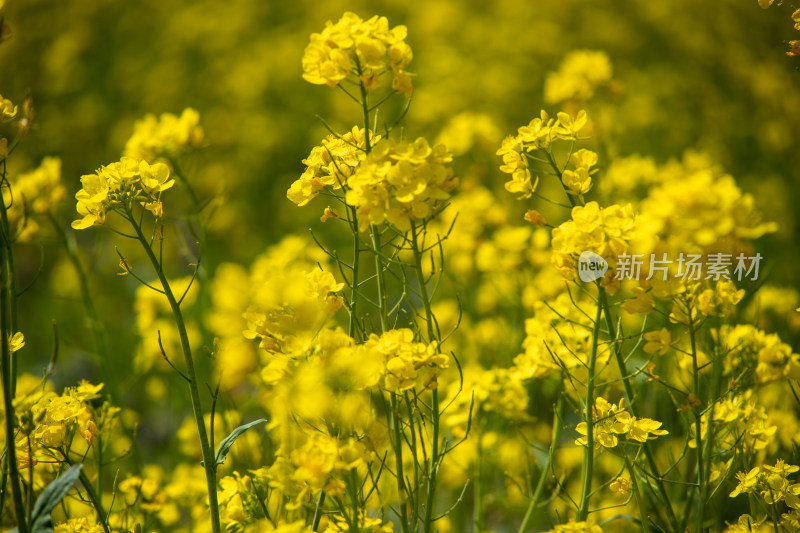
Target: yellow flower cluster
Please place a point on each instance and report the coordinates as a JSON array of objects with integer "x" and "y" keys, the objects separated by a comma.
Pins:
[
  {"x": 364, "y": 48},
  {"x": 605, "y": 231},
  {"x": 318, "y": 464},
  {"x": 721, "y": 300},
  {"x": 330, "y": 165},
  {"x": 795, "y": 45},
  {"x": 771, "y": 483},
  {"x": 696, "y": 208},
  {"x": 612, "y": 420},
  {"x": 496, "y": 391},
  {"x": 738, "y": 421},
  {"x": 145, "y": 492},
  {"x": 657, "y": 342},
  {"x": 576, "y": 527},
  {"x": 537, "y": 135},
  {"x": 400, "y": 182},
  {"x": 165, "y": 136},
  {"x": 408, "y": 364},
  {"x": 237, "y": 499},
  {"x": 621, "y": 486},
  {"x": 748, "y": 524},
  {"x": 35, "y": 193},
  {"x": 286, "y": 314},
  {"x": 578, "y": 179},
  {"x": 56, "y": 416},
  {"x": 557, "y": 332},
  {"x": 581, "y": 72},
  {"x": 118, "y": 186},
  {"x": 279, "y": 271},
  {"x": 339, "y": 524},
  {"x": 78, "y": 525},
  {"x": 757, "y": 355}
]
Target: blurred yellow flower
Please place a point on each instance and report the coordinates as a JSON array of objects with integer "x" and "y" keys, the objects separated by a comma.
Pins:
[
  {"x": 16, "y": 341},
  {"x": 581, "y": 72},
  {"x": 165, "y": 136},
  {"x": 657, "y": 342},
  {"x": 7, "y": 109}
]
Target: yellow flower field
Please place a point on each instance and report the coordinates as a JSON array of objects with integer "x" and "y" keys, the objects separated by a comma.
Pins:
[{"x": 479, "y": 267}]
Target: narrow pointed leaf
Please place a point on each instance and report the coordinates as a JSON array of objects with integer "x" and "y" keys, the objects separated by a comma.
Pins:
[
  {"x": 227, "y": 442},
  {"x": 49, "y": 498}
]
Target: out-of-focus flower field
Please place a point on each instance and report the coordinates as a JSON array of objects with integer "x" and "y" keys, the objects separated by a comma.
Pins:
[{"x": 449, "y": 266}]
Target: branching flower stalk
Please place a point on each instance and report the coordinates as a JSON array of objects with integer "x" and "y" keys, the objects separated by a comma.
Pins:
[
  {"x": 435, "y": 413},
  {"x": 629, "y": 394},
  {"x": 620, "y": 359},
  {"x": 395, "y": 421},
  {"x": 197, "y": 407}
]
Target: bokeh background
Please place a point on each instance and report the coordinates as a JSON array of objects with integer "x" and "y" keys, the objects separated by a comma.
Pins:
[{"x": 687, "y": 77}]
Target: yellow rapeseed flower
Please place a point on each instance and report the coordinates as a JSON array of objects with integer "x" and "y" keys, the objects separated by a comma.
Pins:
[{"x": 363, "y": 49}]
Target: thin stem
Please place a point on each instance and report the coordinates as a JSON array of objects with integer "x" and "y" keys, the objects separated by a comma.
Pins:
[
  {"x": 478, "y": 496},
  {"x": 7, "y": 328},
  {"x": 434, "y": 458},
  {"x": 626, "y": 382},
  {"x": 398, "y": 462},
  {"x": 698, "y": 428},
  {"x": 588, "y": 454},
  {"x": 354, "y": 282},
  {"x": 317, "y": 511},
  {"x": 7, "y": 265},
  {"x": 98, "y": 505},
  {"x": 537, "y": 494},
  {"x": 637, "y": 495},
  {"x": 381, "y": 280},
  {"x": 30, "y": 480},
  {"x": 197, "y": 408}
]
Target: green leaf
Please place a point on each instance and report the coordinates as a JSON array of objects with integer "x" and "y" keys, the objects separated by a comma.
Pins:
[
  {"x": 49, "y": 498},
  {"x": 227, "y": 442}
]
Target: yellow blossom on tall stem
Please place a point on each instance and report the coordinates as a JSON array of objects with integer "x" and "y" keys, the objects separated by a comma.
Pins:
[{"x": 358, "y": 49}]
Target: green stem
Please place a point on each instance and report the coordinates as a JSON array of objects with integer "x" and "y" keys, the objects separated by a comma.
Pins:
[
  {"x": 637, "y": 494},
  {"x": 588, "y": 454},
  {"x": 382, "y": 303},
  {"x": 8, "y": 317},
  {"x": 398, "y": 462},
  {"x": 197, "y": 409},
  {"x": 622, "y": 366},
  {"x": 476, "y": 483},
  {"x": 10, "y": 273},
  {"x": 382, "y": 297},
  {"x": 626, "y": 382},
  {"x": 354, "y": 282},
  {"x": 8, "y": 403},
  {"x": 318, "y": 511},
  {"x": 434, "y": 459},
  {"x": 698, "y": 429},
  {"x": 96, "y": 502},
  {"x": 537, "y": 494}
]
